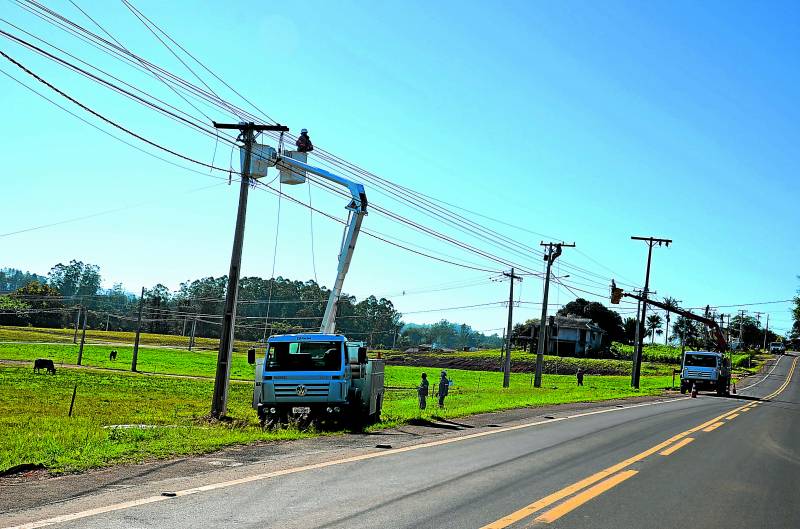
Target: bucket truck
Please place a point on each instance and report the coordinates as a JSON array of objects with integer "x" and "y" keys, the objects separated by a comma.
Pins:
[
  {"x": 701, "y": 369},
  {"x": 320, "y": 376}
]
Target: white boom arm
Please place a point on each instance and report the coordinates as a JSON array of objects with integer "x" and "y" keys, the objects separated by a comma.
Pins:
[{"x": 357, "y": 209}]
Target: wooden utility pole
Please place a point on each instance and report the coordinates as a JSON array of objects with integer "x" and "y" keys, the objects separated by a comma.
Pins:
[
  {"x": 77, "y": 324},
  {"x": 766, "y": 332},
  {"x": 191, "y": 338},
  {"x": 742, "y": 312},
  {"x": 552, "y": 253},
  {"x": 108, "y": 316},
  {"x": 83, "y": 337},
  {"x": 219, "y": 401},
  {"x": 507, "y": 360},
  {"x": 138, "y": 331},
  {"x": 637, "y": 356}
]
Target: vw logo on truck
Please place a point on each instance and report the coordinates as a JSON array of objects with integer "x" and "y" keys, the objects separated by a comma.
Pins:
[{"x": 301, "y": 390}]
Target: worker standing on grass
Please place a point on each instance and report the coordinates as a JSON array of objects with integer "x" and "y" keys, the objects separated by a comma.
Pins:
[
  {"x": 422, "y": 392},
  {"x": 304, "y": 142},
  {"x": 444, "y": 387},
  {"x": 579, "y": 374}
]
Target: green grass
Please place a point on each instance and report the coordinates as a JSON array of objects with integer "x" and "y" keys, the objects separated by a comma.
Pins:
[
  {"x": 34, "y": 427},
  {"x": 482, "y": 391},
  {"x": 37, "y": 334},
  {"x": 552, "y": 364},
  {"x": 149, "y": 360}
]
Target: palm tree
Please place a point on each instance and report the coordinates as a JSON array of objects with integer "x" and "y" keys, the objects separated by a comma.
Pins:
[
  {"x": 673, "y": 304},
  {"x": 654, "y": 323}
]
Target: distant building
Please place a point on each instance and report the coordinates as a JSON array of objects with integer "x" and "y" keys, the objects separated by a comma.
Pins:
[{"x": 569, "y": 336}]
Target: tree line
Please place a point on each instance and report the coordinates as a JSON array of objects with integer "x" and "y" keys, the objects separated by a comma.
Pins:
[{"x": 265, "y": 306}]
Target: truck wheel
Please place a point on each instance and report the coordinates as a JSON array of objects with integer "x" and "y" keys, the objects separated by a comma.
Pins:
[{"x": 683, "y": 389}]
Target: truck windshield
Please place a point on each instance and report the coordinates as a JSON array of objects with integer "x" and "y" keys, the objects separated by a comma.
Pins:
[
  {"x": 304, "y": 356},
  {"x": 700, "y": 360}
]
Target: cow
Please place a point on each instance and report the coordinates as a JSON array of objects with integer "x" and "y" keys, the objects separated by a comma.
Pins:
[
  {"x": 44, "y": 363},
  {"x": 112, "y": 355}
]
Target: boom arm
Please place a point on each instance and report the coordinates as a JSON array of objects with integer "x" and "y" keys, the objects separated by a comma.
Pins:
[
  {"x": 722, "y": 345},
  {"x": 356, "y": 211}
]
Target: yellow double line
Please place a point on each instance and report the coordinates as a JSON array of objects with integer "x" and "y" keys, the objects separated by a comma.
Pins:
[{"x": 600, "y": 482}]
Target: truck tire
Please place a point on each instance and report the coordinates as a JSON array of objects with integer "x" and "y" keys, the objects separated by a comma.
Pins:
[{"x": 683, "y": 389}]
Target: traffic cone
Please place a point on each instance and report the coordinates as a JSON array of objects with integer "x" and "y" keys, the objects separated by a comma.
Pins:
[{"x": 694, "y": 391}]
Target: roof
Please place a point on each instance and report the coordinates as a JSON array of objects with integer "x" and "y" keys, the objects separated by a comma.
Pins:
[{"x": 576, "y": 322}]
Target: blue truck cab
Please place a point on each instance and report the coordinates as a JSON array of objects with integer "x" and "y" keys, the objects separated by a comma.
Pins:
[
  {"x": 317, "y": 377},
  {"x": 705, "y": 370}
]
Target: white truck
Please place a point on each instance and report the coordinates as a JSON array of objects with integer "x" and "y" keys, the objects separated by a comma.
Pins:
[{"x": 777, "y": 348}]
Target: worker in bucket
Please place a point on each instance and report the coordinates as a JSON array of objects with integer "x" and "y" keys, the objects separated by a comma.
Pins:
[
  {"x": 422, "y": 392},
  {"x": 444, "y": 387},
  {"x": 304, "y": 142}
]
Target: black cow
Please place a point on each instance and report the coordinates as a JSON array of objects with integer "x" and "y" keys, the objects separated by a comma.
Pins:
[
  {"x": 112, "y": 355},
  {"x": 44, "y": 363}
]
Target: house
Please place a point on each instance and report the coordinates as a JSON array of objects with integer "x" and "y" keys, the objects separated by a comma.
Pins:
[{"x": 567, "y": 336}]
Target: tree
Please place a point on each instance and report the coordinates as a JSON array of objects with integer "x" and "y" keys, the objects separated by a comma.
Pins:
[
  {"x": 630, "y": 330},
  {"x": 12, "y": 279},
  {"x": 43, "y": 304},
  {"x": 654, "y": 323},
  {"x": 686, "y": 331},
  {"x": 750, "y": 330},
  {"x": 606, "y": 319},
  {"x": 75, "y": 279},
  {"x": 672, "y": 303}
]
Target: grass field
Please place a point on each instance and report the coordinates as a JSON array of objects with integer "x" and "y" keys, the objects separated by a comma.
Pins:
[
  {"x": 552, "y": 364},
  {"x": 35, "y": 428},
  {"x": 150, "y": 360},
  {"x": 36, "y": 334}
]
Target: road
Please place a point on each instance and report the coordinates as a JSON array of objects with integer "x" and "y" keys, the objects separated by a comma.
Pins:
[{"x": 702, "y": 462}]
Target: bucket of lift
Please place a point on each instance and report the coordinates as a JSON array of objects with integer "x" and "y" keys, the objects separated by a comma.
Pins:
[
  {"x": 261, "y": 158},
  {"x": 293, "y": 175}
]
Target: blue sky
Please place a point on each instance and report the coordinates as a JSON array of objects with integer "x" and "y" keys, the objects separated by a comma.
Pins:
[{"x": 585, "y": 121}]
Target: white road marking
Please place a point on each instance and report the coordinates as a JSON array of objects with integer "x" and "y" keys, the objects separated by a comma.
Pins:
[
  {"x": 778, "y": 361},
  {"x": 258, "y": 477}
]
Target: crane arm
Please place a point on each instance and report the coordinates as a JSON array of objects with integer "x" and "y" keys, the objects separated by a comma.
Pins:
[
  {"x": 356, "y": 211},
  {"x": 722, "y": 345}
]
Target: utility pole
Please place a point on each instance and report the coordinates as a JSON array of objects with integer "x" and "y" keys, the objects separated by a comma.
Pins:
[
  {"x": 77, "y": 324},
  {"x": 637, "y": 356},
  {"x": 507, "y": 361},
  {"x": 758, "y": 318},
  {"x": 552, "y": 253},
  {"x": 742, "y": 312},
  {"x": 138, "y": 331},
  {"x": 185, "y": 319},
  {"x": 191, "y": 338},
  {"x": 83, "y": 337},
  {"x": 219, "y": 401},
  {"x": 766, "y": 332}
]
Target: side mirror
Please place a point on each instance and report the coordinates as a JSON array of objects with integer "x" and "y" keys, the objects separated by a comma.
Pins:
[
  {"x": 251, "y": 356},
  {"x": 362, "y": 355}
]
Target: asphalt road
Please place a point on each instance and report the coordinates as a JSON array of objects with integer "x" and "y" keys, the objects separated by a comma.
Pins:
[{"x": 704, "y": 462}]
